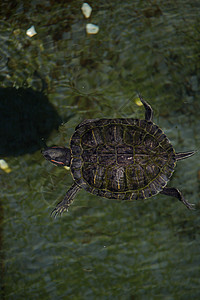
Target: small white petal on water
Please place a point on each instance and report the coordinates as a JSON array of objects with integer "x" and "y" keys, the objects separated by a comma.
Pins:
[
  {"x": 86, "y": 10},
  {"x": 31, "y": 31},
  {"x": 92, "y": 29}
]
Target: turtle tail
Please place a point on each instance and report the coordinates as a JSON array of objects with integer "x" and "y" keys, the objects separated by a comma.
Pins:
[{"x": 183, "y": 155}]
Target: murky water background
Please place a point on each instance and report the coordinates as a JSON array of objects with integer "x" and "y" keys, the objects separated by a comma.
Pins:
[{"x": 100, "y": 249}]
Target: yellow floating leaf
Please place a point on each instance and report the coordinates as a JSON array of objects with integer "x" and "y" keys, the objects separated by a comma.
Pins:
[
  {"x": 4, "y": 166},
  {"x": 138, "y": 102}
]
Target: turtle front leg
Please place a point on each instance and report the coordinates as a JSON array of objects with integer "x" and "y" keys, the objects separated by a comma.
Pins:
[
  {"x": 176, "y": 193},
  {"x": 65, "y": 203}
]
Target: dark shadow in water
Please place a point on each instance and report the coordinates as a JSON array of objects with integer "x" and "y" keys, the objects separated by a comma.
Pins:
[{"x": 26, "y": 117}]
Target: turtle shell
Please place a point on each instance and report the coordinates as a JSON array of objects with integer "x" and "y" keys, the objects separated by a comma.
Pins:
[{"x": 121, "y": 158}]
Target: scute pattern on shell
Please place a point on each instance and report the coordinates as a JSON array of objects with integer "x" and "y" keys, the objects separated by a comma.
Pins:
[{"x": 121, "y": 158}]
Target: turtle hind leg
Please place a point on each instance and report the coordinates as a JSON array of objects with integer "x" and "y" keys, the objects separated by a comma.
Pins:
[
  {"x": 65, "y": 203},
  {"x": 148, "y": 110},
  {"x": 173, "y": 192}
]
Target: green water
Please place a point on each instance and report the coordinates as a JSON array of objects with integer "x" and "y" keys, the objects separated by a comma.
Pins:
[{"x": 102, "y": 249}]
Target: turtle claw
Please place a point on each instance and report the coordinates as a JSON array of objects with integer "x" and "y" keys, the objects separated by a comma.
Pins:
[
  {"x": 190, "y": 206},
  {"x": 187, "y": 204},
  {"x": 58, "y": 210}
]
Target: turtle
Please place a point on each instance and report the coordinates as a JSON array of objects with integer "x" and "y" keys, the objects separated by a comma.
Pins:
[{"x": 122, "y": 158}]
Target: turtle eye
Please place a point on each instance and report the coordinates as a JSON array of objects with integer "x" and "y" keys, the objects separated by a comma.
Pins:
[
  {"x": 47, "y": 156},
  {"x": 54, "y": 160}
]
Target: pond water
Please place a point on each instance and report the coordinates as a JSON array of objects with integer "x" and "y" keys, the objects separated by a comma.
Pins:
[{"x": 100, "y": 248}]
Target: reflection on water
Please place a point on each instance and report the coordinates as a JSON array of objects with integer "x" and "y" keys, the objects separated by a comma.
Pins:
[{"x": 26, "y": 117}]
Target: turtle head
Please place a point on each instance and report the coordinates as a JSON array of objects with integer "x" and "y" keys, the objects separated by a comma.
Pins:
[{"x": 59, "y": 156}]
